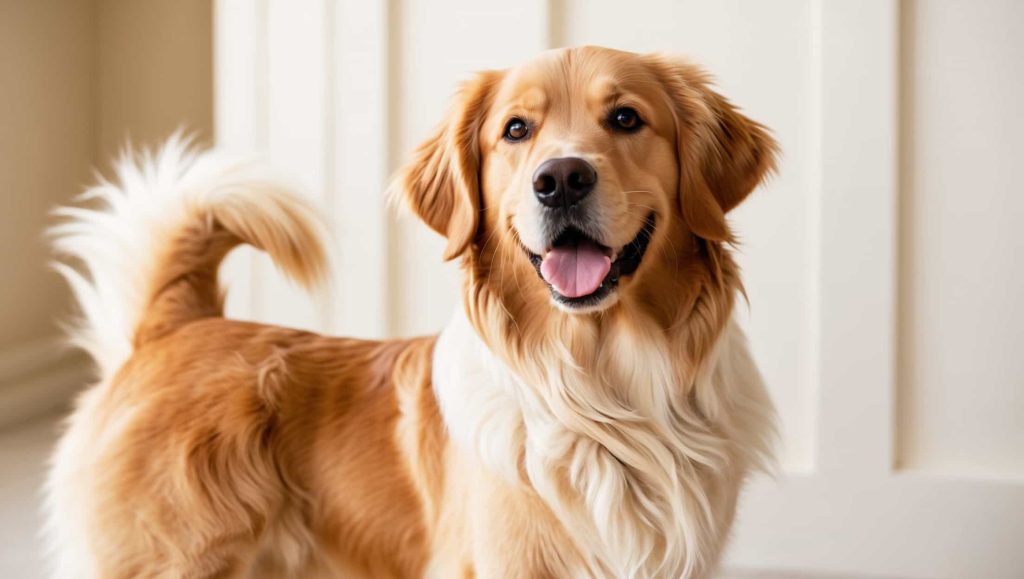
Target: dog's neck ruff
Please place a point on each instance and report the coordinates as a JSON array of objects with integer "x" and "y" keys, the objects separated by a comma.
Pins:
[{"x": 626, "y": 456}]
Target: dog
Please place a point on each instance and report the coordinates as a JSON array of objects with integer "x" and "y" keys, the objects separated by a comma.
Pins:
[{"x": 591, "y": 409}]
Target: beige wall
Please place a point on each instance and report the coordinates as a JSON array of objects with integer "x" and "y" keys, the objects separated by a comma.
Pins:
[
  {"x": 78, "y": 77},
  {"x": 46, "y": 144},
  {"x": 155, "y": 71}
]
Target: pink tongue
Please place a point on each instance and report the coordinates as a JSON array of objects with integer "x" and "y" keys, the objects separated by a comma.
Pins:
[{"x": 575, "y": 271}]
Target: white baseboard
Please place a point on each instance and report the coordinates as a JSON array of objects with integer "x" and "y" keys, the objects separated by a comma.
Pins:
[{"x": 40, "y": 377}]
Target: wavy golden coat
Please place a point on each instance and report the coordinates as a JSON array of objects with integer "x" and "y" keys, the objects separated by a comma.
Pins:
[{"x": 532, "y": 438}]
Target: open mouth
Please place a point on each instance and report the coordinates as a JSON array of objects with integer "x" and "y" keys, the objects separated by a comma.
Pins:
[{"x": 582, "y": 272}]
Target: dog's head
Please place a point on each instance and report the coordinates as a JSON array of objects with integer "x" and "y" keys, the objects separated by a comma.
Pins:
[{"x": 587, "y": 177}]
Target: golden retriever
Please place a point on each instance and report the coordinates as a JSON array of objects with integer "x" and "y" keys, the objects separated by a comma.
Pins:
[{"x": 590, "y": 411}]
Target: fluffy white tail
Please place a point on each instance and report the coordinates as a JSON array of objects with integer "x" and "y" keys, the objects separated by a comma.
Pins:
[{"x": 142, "y": 255}]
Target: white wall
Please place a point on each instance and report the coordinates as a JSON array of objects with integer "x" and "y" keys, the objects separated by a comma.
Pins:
[{"x": 880, "y": 263}]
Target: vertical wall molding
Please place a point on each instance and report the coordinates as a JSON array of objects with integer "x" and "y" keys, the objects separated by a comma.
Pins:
[
  {"x": 859, "y": 185},
  {"x": 239, "y": 117},
  {"x": 362, "y": 160},
  {"x": 305, "y": 85}
]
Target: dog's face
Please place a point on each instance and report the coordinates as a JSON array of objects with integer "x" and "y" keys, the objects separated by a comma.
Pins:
[
  {"x": 578, "y": 158},
  {"x": 587, "y": 171}
]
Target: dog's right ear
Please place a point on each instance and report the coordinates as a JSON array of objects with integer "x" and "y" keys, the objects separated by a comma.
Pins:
[{"x": 442, "y": 183}]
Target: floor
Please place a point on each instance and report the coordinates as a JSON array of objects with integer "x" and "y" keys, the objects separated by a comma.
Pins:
[
  {"x": 24, "y": 450},
  {"x": 23, "y": 453}
]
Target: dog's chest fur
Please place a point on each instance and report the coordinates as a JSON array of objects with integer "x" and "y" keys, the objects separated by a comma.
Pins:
[{"x": 638, "y": 470}]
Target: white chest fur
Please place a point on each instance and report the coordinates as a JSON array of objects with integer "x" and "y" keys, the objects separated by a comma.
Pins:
[{"x": 641, "y": 470}]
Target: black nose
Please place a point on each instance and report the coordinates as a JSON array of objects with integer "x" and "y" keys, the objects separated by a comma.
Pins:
[{"x": 563, "y": 182}]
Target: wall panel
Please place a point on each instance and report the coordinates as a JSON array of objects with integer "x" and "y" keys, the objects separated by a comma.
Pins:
[
  {"x": 880, "y": 262},
  {"x": 962, "y": 379}
]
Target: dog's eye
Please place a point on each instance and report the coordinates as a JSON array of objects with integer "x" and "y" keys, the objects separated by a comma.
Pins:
[
  {"x": 516, "y": 129},
  {"x": 625, "y": 119}
]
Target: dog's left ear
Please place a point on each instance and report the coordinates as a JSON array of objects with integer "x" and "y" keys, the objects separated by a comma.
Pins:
[
  {"x": 722, "y": 154},
  {"x": 442, "y": 183}
]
